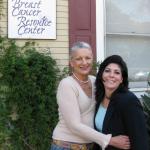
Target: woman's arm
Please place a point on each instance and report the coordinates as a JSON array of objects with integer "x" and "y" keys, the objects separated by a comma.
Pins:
[{"x": 120, "y": 141}]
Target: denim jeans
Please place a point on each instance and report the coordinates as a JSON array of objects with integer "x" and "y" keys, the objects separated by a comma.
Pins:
[{"x": 56, "y": 147}]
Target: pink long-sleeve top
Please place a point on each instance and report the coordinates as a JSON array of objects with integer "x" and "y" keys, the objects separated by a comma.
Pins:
[{"x": 76, "y": 114}]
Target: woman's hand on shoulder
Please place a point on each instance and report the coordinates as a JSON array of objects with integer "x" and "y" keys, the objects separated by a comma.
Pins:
[{"x": 120, "y": 141}]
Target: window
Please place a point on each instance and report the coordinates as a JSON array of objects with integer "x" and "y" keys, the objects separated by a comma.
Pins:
[{"x": 127, "y": 33}]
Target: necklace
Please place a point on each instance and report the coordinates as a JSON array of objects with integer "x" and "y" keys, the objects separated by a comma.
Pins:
[
  {"x": 107, "y": 97},
  {"x": 81, "y": 81}
]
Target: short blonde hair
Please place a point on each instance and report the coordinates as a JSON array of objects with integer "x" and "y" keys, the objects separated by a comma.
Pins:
[{"x": 79, "y": 45}]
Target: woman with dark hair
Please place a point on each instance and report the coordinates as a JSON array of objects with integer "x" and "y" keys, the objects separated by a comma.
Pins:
[{"x": 118, "y": 111}]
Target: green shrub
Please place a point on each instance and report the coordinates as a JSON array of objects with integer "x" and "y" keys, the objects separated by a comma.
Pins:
[
  {"x": 28, "y": 82},
  {"x": 146, "y": 106}
]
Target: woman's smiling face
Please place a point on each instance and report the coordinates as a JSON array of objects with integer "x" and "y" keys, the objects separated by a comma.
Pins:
[
  {"x": 81, "y": 61},
  {"x": 112, "y": 77}
]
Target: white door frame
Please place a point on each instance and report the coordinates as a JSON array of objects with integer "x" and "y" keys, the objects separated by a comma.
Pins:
[{"x": 100, "y": 30}]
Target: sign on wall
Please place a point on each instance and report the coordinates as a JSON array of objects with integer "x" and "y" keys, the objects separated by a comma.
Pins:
[{"x": 32, "y": 19}]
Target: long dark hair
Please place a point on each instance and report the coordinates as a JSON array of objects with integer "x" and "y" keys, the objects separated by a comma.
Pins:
[{"x": 100, "y": 91}]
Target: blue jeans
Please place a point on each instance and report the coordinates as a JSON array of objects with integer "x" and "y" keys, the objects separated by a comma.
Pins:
[{"x": 56, "y": 147}]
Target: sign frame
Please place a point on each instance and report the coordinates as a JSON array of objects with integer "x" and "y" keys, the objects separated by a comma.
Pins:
[{"x": 32, "y": 19}]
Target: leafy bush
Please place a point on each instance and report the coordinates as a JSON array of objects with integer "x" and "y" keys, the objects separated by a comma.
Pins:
[
  {"x": 146, "y": 106},
  {"x": 28, "y": 109}
]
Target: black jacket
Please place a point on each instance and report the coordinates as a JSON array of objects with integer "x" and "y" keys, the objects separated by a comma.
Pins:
[{"x": 125, "y": 116}]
